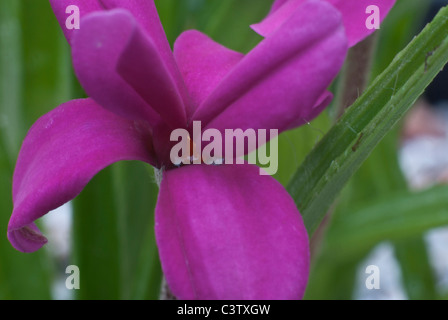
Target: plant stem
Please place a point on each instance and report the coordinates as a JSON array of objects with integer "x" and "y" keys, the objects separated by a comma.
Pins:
[
  {"x": 165, "y": 292},
  {"x": 356, "y": 73},
  {"x": 353, "y": 82}
]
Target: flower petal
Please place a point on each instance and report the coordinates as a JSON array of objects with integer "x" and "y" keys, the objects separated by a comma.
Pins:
[
  {"x": 323, "y": 102},
  {"x": 225, "y": 232},
  {"x": 281, "y": 80},
  {"x": 61, "y": 153},
  {"x": 142, "y": 67},
  {"x": 203, "y": 63},
  {"x": 96, "y": 50},
  {"x": 145, "y": 13},
  {"x": 60, "y": 10},
  {"x": 353, "y": 14},
  {"x": 110, "y": 45}
]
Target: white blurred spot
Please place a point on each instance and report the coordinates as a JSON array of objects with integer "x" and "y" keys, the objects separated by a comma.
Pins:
[
  {"x": 437, "y": 241},
  {"x": 58, "y": 224},
  {"x": 390, "y": 276}
]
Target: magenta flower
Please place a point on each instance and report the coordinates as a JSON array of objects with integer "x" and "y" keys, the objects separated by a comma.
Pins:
[
  {"x": 354, "y": 16},
  {"x": 223, "y": 232}
]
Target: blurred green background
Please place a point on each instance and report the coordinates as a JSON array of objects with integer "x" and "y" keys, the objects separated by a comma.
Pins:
[{"x": 112, "y": 237}]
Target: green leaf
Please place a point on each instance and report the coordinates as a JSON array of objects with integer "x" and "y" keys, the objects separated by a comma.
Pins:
[
  {"x": 96, "y": 240},
  {"x": 405, "y": 20},
  {"x": 417, "y": 274},
  {"x": 379, "y": 176},
  {"x": 148, "y": 272},
  {"x": 22, "y": 276},
  {"x": 293, "y": 146},
  {"x": 114, "y": 241},
  {"x": 332, "y": 280},
  {"x": 226, "y": 21},
  {"x": 339, "y": 154},
  {"x": 401, "y": 218},
  {"x": 47, "y": 62},
  {"x": 135, "y": 197},
  {"x": 11, "y": 70},
  {"x": 395, "y": 217}
]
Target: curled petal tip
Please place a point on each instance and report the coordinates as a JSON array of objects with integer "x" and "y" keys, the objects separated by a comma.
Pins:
[
  {"x": 27, "y": 239},
  {"x": 61, "y": 153}
]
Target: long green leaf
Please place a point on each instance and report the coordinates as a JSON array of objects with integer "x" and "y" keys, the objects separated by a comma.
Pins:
[
  {"x": 417, "y": 275},
  {"x": 339, "y": 154},
  {"x": 46, "y": 55},
  {"x": 22, "y": 276},
  {"x": 11, "y": 71},
  {"x": 396, "y": 217},
  {"x": 332, "y": 280},
  {"x": 135, "y": 197},
  {"x": 378, "y": 176},
  {"x": 114, "y": 235},
  {"x": 96, "y": 239}
]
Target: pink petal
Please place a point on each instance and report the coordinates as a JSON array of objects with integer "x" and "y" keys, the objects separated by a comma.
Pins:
[
  {"x": 145, "y": 15},
  {"x": 96, "y": 50},
  {"x": 118, "y": 65},
  {"x": 85, "y": 7},
  {"x": 276, "y": 5},
  {"x": 145, "y": 12},
  {"x": 142, "y": 67},
  {"x": 225, "y": 232},
  {"x": 203, "y": 63},
  {"x": 281, "y": 80},
  {"x": 322, "y": 103},
  {"x": 61, "y": 153},
  {"x": 355, "y": 16},
  {"x": 353, "y": 12},
  {"x": 280, "y": 12}
]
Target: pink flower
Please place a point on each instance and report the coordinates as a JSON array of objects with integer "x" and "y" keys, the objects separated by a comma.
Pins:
[
  {"x": 223, "y": 232},
  {"x": 353, "y": 16}
]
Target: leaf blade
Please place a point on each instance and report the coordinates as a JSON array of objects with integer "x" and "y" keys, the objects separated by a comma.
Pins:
[{"x": 344, "y": 148}]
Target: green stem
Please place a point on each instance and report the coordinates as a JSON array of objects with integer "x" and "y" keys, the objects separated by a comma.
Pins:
[
  {"x": 353, "y": 82},
  {"x": 356, "y": 73}
]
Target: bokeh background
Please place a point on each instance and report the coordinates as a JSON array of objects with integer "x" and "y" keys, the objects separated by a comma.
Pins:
[{"x": 391, "y": 214}]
